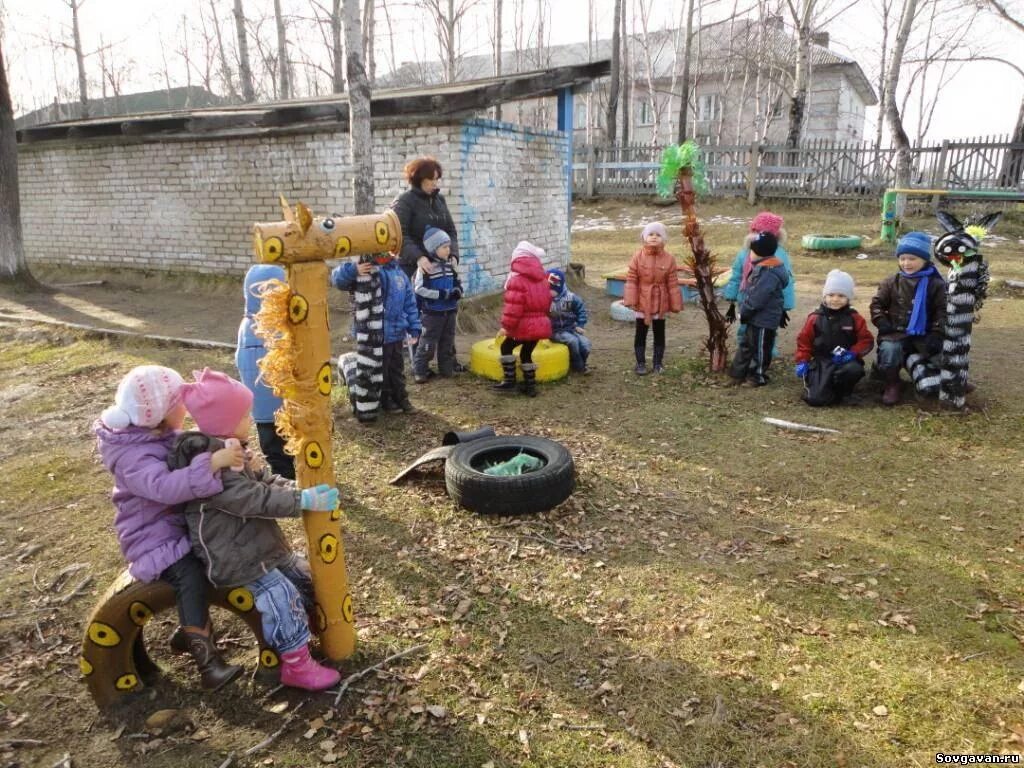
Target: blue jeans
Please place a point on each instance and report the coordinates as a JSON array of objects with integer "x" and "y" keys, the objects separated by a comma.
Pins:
[
  {"x": 579, "y": 348},
  {"x": 284, "y": 597}
]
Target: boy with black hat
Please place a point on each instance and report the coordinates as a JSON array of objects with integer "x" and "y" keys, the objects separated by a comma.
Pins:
[
  {"x": 760, "y": 311},
  {"x": 909, "y": 311}
]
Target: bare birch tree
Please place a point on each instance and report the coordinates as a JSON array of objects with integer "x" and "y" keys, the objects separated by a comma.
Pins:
[
  {"x": 685, "y": 92},
  {"x": 369, "y": 24},
  {"x": 283, "y": 63},
  {"x": 496, "y": 47},
  {"x": 899, "y": 136},
  {"x": 244, "y": 68},
  {"x": 226, "y": 73},
  {"x": 359, "y": 133},
  {"x": 802, "y": 16},
  {"x": 448, "y": 16},
  {"x": 76, "y": 34},
  {"x": 627, "y": 77},
  {"x": 13, "y": 266},
  {"x": 615, "y": 79}
]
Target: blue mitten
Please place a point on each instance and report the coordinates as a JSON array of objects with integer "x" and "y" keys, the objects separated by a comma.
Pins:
[
  {"x": 322, "y": 498},
  {"x": 843, "y": 359},
  {"x": 801, "y": 369}
]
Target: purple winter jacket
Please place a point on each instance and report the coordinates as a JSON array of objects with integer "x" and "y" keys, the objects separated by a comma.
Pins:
[{"x": 150, "y": 526}]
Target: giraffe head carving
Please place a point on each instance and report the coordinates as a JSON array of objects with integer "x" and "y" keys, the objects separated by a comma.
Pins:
[{"x": 301, "y": 236}]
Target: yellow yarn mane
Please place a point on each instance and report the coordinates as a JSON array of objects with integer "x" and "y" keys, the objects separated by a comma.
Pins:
[{"x": 276, "y": 367}]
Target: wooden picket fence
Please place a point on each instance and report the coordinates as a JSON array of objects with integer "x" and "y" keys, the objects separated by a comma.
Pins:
[{"x": 816, "y": 170}]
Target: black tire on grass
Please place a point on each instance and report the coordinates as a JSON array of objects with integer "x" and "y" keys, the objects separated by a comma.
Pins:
[{"x": 524, "y": 494}]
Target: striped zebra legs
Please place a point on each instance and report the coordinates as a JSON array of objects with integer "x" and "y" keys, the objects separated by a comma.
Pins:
[
  {"x": 960, "y": 303},
  {"x": 369, "y": 328}
]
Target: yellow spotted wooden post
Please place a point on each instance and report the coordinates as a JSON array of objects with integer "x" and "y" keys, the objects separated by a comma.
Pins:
[{"x": 293, "y": 321}]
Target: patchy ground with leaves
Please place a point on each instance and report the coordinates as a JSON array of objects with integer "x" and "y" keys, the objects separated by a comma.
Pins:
[{"x": 715, "y": 593}]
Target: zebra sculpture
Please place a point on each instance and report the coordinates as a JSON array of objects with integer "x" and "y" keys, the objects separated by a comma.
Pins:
[
  {"x": 365, "y": 386},
  {"x": 967, "y": 285}
]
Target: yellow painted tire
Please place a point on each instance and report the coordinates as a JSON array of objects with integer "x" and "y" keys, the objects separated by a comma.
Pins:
[{"x": 552, "y": 360}]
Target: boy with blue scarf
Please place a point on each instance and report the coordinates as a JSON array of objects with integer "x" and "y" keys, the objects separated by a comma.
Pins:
[{"x": 909, "y": 311}]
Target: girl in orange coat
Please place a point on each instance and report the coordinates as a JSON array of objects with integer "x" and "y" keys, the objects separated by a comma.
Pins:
[{"x": 652, "y": 292}]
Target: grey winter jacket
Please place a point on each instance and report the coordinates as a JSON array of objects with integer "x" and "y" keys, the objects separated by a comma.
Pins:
[
  {"x": 763, "y": 304},
  {"x": 235, "y": 533}
]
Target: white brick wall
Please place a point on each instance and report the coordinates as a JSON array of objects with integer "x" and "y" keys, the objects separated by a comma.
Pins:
[{"x": 190, "y": 205}]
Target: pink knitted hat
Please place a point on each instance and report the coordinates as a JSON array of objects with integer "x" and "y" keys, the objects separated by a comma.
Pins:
[
  {"x": 766, "y": 221},
  {"x": 144, "y": 397},
  {"x": 217, "y": 402},
  {"x": 526, "y": 248}
]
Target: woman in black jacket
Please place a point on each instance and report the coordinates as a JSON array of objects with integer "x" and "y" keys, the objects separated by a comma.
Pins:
[{"x": 422, "y": 205}]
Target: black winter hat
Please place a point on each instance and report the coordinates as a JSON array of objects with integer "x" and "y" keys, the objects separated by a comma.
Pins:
[{"x": 764, "y": 244}]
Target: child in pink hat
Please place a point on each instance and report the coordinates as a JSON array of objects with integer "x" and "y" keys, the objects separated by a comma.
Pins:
[
  {"x": 235, "y": 532},
  {"x": 135, "y": 436},
  {"x": 736, "y": 289}
]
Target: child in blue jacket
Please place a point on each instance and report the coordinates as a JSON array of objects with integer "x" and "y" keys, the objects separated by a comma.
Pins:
[
  {"x": 248, "y": 353},
  {"x": 568, "y": 317},
  {"x": 401, "y": 324}
]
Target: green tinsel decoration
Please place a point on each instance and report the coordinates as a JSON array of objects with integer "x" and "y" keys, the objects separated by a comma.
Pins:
[{"x": 679, "y": 156}]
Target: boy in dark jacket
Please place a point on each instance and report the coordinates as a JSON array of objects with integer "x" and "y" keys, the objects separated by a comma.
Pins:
[
  {"x": 438, "y": 290},
  {"x": 909, "y": 311},
  {"x": 831, "y": 346},
  {"x": 568, "y": 317},
  {"x": 401, "y": 324},
  {"x": 235, "y": 532},
  {"x": 760, "y": 311}
]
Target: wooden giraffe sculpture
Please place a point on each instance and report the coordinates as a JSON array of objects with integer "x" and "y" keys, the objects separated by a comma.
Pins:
[
  {"x": 967, "y": 286},
  {"x": 293, "y": 322}
]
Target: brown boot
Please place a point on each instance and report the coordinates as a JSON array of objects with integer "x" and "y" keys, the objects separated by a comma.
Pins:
[
  {"x": 893, "y": 391},
  {"x": 215, "y": 672}
]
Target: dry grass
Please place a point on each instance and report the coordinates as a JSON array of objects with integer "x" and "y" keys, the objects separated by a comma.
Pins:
[{"x": 716, "y": 593}]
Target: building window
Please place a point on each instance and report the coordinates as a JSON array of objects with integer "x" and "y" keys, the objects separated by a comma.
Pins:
[
  {"x": 579, "y": 113},
  {"x": 646, "y": 113},
  {"x": 709, "y": 107}
]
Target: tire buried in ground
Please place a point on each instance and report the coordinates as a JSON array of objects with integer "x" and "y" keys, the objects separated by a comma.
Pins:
[{"x": 524, "y": 494}]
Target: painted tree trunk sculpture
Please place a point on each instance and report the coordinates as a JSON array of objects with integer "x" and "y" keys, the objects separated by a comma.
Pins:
[
  {"x": 682, "y": 174},
  {"x": 967, "y": 286},
  {"x": 294, "y": 324}
]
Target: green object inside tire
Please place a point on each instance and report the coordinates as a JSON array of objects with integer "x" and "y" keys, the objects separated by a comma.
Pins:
[{"x": 830, "y": 242}]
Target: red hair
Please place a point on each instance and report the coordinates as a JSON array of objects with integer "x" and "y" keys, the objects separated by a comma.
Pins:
[{"x": 421, "y": 168}]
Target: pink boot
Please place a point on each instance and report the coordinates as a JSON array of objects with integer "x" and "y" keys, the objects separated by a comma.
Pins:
[{"x": 298, "y": 670}]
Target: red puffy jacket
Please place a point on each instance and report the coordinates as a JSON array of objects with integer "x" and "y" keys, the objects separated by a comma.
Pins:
[{"x": 527, "y": 300}]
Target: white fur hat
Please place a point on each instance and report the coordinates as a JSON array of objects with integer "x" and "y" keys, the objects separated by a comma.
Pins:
[
  {"x": 838, "y": 281},
  {"x": 144, "y": 397},
  {"x": 655, "y": 226}
]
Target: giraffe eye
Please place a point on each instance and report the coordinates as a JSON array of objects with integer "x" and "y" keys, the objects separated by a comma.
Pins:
[
  {"x": 948, "y": 249},
  {"x": 327, "y": 225}
]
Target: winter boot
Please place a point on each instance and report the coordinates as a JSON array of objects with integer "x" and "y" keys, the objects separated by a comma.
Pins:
[
  {"x": 215, "y": 672},
  {"x": 508, "y": 370},
  {"x": 659, "y": 356},
  {"x": 529, "y": 379},
  {"x": 641, "y": 361},
  {"x": 298, "y": 670},
  {"x": 893, "y": 387}
]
